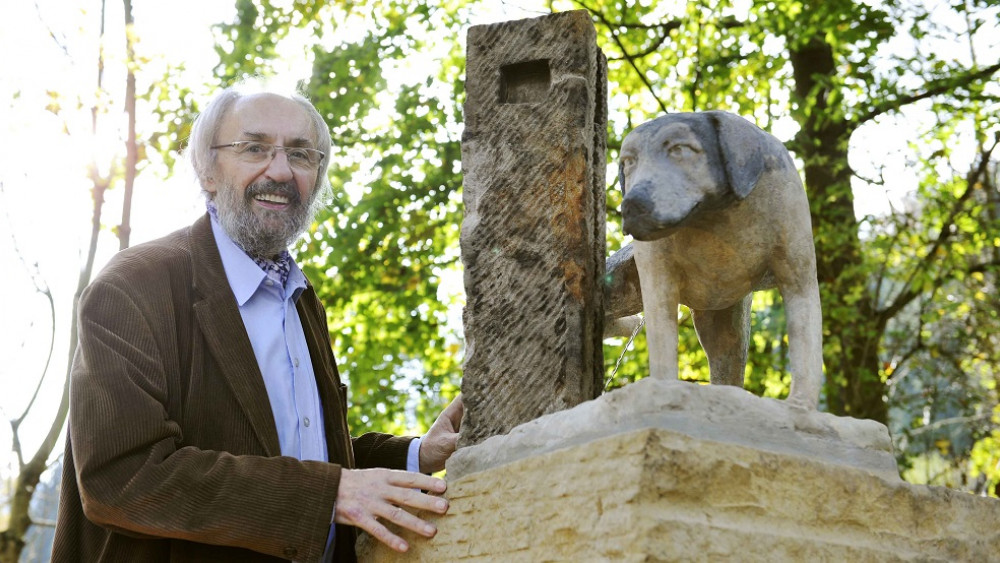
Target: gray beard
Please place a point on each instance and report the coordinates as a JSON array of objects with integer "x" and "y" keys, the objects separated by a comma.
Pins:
[{"x": 263, "y": 233}]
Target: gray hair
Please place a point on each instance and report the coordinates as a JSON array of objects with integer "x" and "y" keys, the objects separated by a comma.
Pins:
[{"x": 202, "y": 156}]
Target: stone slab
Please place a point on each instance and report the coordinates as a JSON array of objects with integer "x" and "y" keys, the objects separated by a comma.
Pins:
[
  {"x": 724, "y": 414},
  {"x": 661, "y": 495},
  {"x": 532, "y": 240}
]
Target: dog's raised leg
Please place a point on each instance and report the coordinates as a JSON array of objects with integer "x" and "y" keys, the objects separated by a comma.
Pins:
[
  {"x": 659, "y": 301},
  {"x": 725, "y": 337}
]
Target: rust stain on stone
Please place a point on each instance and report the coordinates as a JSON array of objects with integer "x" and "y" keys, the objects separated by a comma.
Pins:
[
  {"x": 573, "y": 276},
  {"x": 569, "y": 188}
]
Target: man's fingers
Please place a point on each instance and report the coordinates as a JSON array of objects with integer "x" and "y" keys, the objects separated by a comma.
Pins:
[
  {"x": 454, "y": 412},
  {"x": 384, "y": 535},
  {"x": 412, "y": 480},
  {"x": 419, "y": 501},
  {"x": 369, "y": 495},
  {"x": 442, "y": 438},
  {"x": 404, "y": 519}
]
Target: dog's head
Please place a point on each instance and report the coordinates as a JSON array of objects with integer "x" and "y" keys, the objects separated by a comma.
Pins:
[{"x": 681, "y": 165}]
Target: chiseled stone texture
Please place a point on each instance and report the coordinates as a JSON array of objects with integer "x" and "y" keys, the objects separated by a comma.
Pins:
[
  {"x": 533, "y": 245},
  {"x": 659, "y": 495},
  {"x": 674, "y": 471}
]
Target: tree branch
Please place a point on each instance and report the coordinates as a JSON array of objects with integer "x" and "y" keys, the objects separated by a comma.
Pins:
[
  {"x": 949, "y": 421},
  {"x": 40, "y": 287},
  {"x": 884, "y": 267},
  {"x": 666, "y": 27},
  {"x": 52, "y": 35},
  {"x": 984, "y": 267},
  {"x": 628, "y": 57},
  {"x": 910, "y": 293},
  {"x": 933, "y": 88},
  {"x": 645, "y": 52}
]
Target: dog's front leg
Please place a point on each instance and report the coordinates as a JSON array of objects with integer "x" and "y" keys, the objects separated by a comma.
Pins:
[{"x": 659, "y": 301}]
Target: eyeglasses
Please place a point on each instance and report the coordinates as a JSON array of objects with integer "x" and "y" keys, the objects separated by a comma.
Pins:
[{"x": 256, "y": 152}]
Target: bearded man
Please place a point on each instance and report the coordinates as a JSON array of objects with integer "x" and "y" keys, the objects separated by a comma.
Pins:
[{"x": 207, "y": 416}]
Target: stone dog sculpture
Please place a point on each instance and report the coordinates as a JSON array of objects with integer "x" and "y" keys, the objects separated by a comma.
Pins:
[{"x": 717, "y": 211}]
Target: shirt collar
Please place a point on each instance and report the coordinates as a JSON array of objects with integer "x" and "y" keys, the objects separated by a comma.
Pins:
[{"x": 244, "y": 275}]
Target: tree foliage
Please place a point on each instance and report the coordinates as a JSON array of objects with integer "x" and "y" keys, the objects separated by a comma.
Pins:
[{"x": 908, "y": 312}]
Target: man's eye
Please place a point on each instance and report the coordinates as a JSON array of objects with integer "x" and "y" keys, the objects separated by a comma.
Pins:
[
  {"x": 300, "y": 155},
  {"x": 254, "y": 148}
]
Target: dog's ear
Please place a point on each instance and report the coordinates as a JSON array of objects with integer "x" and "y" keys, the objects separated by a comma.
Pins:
[{"x": 743, "y": 148}]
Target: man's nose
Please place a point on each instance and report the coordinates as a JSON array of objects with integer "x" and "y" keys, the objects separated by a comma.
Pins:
[{"x": 279, "y": 168}]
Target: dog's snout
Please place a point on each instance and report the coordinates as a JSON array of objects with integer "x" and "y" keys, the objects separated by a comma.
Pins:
[
  {"x": 636, "y": 205},
  {"x": 638, "y": 210}
]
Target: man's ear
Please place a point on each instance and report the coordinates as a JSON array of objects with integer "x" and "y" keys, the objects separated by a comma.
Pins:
[{"x": 742, "y": 148}]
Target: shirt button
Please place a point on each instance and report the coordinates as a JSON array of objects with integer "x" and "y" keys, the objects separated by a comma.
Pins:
[
  {"x": 269, "y": 283},
  {"x": 306, "y": 422},
  {"x": 291, "y": 552},
  {"x": 296, "y": 362}
]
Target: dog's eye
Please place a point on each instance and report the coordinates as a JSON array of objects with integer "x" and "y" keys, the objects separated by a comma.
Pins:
[
  {"x": 680, "y": 151},
  {"x": 627, "y": 162}
]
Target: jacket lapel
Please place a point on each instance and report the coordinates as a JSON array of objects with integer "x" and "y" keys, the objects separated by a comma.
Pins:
[
  {"x": 332, "y": 393},
  {"x": 223, "y": 330}
]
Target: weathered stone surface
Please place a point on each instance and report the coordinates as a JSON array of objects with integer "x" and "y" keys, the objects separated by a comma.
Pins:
[
  {"x": 533, "y": 159},
  {"x": 718, "y": 413},
  {"x": 660, "y": 495}
]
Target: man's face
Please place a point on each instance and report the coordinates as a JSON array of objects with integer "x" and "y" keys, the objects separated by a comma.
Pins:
[{"x": 264, "y": 206}]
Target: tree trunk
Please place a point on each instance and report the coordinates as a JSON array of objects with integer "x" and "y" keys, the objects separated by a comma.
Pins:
[
  {"x": 131, "y": 146},
  {"x": 850, "y": 326}
]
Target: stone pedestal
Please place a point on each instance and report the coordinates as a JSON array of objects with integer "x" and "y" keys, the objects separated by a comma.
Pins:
[
  {"x": 669, "y": 492},
  {"x": 534, "y": 162}
]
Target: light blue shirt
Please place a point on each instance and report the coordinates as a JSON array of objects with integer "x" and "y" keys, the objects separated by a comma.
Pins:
[{"x": 279, "y": 344}]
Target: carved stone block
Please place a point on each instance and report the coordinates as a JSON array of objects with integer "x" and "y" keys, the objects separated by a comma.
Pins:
[
  {"x": 533, "y": 245},
  {"x": 714, "y": 474}
]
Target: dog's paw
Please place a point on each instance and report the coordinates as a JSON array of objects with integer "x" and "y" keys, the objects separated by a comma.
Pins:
[{"x": 801, "y": 403}]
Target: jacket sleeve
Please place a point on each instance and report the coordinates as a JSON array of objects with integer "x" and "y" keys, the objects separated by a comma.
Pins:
[
  {"x": 134, "y": 472},
  {"x": 381, "y": 450}
]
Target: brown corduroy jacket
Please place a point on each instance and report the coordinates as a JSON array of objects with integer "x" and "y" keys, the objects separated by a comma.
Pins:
[{"x": 172, "y": 453}]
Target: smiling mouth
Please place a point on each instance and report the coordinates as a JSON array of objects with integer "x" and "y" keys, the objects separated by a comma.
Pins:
[{"x": 272, "y": 198}]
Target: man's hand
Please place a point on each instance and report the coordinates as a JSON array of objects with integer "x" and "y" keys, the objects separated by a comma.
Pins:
[
  {"x": 439, "y": 443},
  {"x": 365, "y": 495}
]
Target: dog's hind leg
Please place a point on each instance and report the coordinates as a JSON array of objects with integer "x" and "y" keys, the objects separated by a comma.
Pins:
[{"x": 725, "y": 336}]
